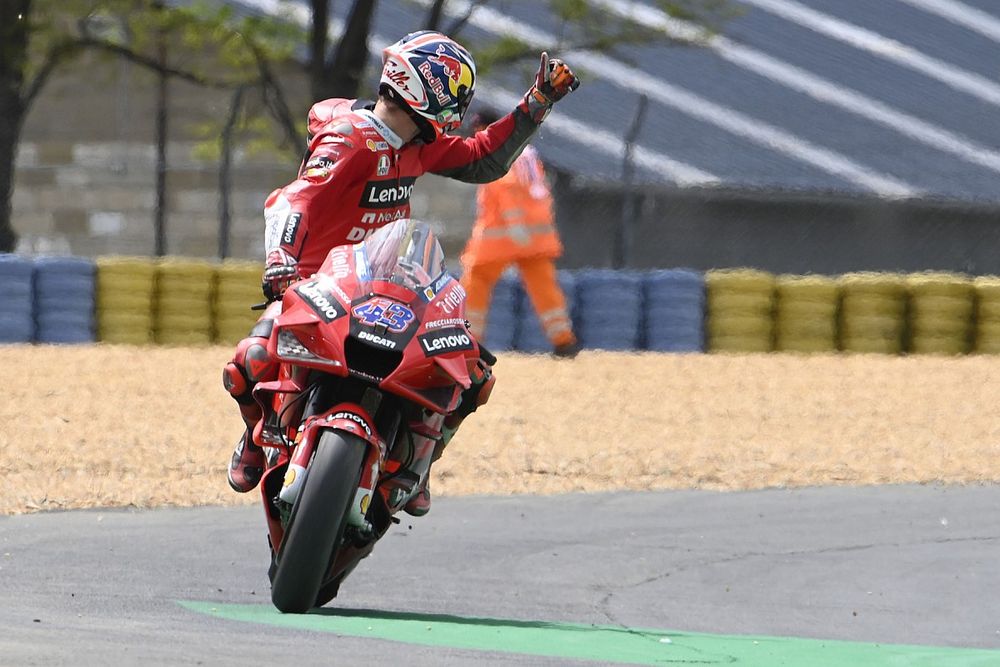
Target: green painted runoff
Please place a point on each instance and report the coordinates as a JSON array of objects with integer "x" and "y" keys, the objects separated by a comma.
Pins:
[{"x": 600, "y": 643}]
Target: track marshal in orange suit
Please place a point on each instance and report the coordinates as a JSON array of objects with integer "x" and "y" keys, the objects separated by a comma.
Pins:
[{"x": 515, "y": 225}]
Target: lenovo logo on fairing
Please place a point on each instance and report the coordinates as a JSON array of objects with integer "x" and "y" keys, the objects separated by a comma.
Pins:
[
  {"x": 445, "y": 340},
  {"x": 387, "y": 194},
  {"x": 320, "y": 302}
]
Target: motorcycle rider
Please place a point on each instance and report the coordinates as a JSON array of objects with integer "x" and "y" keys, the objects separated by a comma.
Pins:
[{"x": 357, "y": 176}]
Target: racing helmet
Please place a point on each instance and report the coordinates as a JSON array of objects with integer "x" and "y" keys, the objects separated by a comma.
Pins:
[{"x": 432, "y": 77}]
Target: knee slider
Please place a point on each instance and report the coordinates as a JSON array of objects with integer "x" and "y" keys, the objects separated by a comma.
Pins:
[
  {"x": 252, "y": 358},
  {"x": 234, "y": 381}
]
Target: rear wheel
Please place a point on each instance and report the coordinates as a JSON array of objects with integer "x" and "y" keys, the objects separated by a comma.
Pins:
[{"x": 318, "y": 521}]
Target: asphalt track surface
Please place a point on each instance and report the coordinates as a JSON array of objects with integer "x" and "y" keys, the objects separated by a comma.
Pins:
[{"x": 912, "y": 565}]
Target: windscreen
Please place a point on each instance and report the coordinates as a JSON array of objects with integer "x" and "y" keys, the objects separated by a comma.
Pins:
[{"x": 404, "y": 252}]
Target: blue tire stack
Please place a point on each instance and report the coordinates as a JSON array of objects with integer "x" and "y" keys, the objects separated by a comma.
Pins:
[
  {"x": 674, "y": 311},
  {"x": 530, "y": 335},
  {"x": 17, "y": 325},
  {"x": 501, "y": 323},
  {"x": 64, "y": 300},
  {"x": 609, "y": 309}
]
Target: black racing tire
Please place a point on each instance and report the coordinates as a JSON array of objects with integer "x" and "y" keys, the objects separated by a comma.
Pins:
[{"x": 318, "y": 521}]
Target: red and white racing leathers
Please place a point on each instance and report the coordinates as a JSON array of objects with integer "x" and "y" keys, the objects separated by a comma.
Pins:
[{"x": 358, "y": 175}]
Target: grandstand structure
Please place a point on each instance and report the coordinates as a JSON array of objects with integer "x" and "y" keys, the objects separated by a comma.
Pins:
[
  {"x": 853, "y": 135},
  {"x": 808, "y": 136}
]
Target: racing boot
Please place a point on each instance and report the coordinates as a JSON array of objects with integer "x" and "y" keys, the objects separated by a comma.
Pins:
[
  {"x": 251, "y": 364},
  {"x": 247, "y": 465},
  {"x": 477, "y": 394}
]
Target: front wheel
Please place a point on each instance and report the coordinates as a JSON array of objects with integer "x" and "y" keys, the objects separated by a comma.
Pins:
[{"x": 318, "y": 521}]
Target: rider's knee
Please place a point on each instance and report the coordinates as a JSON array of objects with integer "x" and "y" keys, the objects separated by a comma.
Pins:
[{"x": 250, "y": 364}]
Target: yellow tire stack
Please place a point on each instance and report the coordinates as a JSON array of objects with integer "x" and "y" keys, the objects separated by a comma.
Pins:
[
  {"x": 185, "y": 290},
  {"x": 740, "y": 310},
  {"x": 806, "y": 314},
  {"x": 125, "y": 299},
  {"x": 238, "y": 288},
  {"x": 987, "y": 289},
  {"x": 940, "y": 314},
  {"x": 872, "y": 312}
]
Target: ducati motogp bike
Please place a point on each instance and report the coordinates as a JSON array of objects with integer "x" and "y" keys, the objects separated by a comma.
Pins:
[{"x": 374, "y": 352}]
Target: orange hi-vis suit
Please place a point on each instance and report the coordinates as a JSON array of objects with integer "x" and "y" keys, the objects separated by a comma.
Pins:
[{"x": 515, "y": 225}]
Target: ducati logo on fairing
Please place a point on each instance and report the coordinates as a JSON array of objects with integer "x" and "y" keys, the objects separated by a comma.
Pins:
[
  {"x": 444, "y": 341},
  {"x": 378, "y": 340},
  {"x": 387, "y": 194},
  {"x": 321, "y": 302}
]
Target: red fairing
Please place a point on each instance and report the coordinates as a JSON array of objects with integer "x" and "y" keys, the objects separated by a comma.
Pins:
[
  {"x": 358, "y": 177},
  {"x": 437, "y": 348}
]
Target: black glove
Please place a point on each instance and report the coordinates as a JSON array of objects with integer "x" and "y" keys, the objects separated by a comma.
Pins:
[{"x": 553, "y": 82}]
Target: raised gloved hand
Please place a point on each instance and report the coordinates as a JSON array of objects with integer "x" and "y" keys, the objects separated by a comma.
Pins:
[
  {"x": 553, "y": 82},
  {"x": 281, "y": 271}
]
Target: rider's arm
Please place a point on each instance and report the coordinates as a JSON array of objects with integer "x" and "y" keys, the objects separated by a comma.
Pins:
[
  {"x": 489, "y": 154},
  {"x": 484, "y": 157}
]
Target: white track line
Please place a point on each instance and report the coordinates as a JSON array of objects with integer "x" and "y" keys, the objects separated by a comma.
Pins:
[
  {"x": 962, "y": 14},
  {"x": 889, "y": 49},
  {"x": 674, "y": 171},
  {"x": 683, "y": 100},
  {"x": 811, "y": 84}
]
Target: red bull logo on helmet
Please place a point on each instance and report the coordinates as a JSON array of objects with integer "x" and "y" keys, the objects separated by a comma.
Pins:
[
  {"x": 458, "y": 73},
  {"x": 452, "y": 66}
]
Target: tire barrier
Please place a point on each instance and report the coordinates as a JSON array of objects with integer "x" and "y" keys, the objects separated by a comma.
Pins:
[
  {"x": 185, "y": 291},
  {"x": 193, "y": 302},
  {"x": 675, "y": 311},
  {"x": 126, "y": 288},
  {"x": 237, "y": 288},
  {"x": 609, "y": 308},
  {"x": 17, "y": 325},
  {"x": 987, "y": 326},
  {"x": 806, "y": 314},
  {"x": 872, "y": 312},
  {"x": 502, "y": 321},
  {"x": 740, "y": 310},
  {"x": 530, "y": 335},
  {"x": 64, "y": 300},
  {"x": 940, "y": 312}
]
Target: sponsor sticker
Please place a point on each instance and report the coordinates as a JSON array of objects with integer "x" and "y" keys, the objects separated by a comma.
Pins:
[
  {"x": 435, "y": 83},
  {"x": 383, "y": 217},
  {"x": 442, "y": 281},
  {"x": 383, "y": 165},
  {"x": 387, "y": 194},
  {"x": 452, "y": 299},
  {"x": 318, "y": 168},
  {"x": 377, "y": 340},
  {"x": 340, "y": 263},
  {"x": 357, "y": 419},
  {"x": 447, "y": 322},
  {"x": 445, "y": 341},
  {"x": 291, "y": 229},
  {"x": 322, "y": 303},
  {"x": 375, "y": 146}
]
